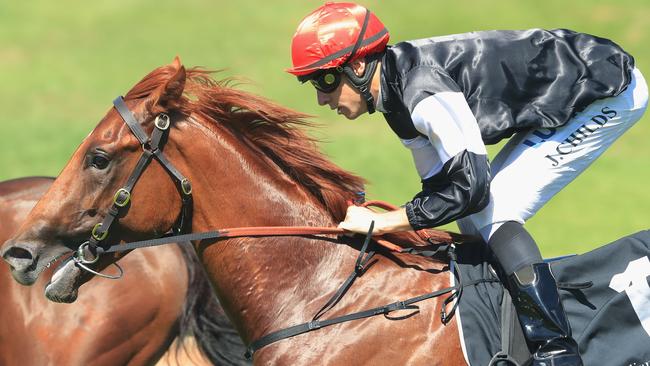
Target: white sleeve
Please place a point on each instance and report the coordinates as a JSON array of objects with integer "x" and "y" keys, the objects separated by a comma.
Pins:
[
  {"x": 446, "y": 119},
  {"x": 425, "y": 157}
]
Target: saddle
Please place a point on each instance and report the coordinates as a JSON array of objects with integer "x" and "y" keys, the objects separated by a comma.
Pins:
[{"x": 604, "y": 292}]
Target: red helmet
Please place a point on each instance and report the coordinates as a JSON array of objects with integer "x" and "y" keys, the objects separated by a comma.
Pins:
[{"x": 333, "y": 35}]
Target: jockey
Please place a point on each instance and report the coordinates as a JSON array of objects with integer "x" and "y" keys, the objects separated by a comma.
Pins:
[{"x": 561, "y": 97}]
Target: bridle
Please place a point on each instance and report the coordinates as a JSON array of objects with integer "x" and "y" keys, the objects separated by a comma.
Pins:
[{"x": 152, "y": 148}]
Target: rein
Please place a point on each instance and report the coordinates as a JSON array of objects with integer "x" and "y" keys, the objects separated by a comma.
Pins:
[{"x": 90, "y": 251}]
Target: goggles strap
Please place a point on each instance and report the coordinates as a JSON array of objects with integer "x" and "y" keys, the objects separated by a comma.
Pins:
[{"x": 362, "y": 83}]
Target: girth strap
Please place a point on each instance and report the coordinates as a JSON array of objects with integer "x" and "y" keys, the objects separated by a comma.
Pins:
[{"x": 509, "y": 323}]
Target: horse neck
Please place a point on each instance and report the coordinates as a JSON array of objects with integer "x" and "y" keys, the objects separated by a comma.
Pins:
[
  {"x": 235, "y": 185},
  {"x": 257, "y": 278}
]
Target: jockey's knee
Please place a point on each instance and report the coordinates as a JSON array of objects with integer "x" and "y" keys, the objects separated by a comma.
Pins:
[
  {"x": 514, "y": 247},
  {"x": 487, "y": 231}
]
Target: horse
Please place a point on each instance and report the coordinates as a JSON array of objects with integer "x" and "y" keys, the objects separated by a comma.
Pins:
[
  {"x": 250, "y": 163},
  {"x": 130, "y": 322}
]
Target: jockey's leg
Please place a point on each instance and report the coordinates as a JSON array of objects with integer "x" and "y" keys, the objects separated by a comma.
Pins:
[
  {"x": 529, "y": 171},
  {"x": 535, "y": 295}
]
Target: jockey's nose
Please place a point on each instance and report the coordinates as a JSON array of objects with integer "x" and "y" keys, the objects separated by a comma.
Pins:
[{"x": 323, "y": 98}]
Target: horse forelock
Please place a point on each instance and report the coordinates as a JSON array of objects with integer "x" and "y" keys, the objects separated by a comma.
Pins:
[{"x": 276, "y": 131}]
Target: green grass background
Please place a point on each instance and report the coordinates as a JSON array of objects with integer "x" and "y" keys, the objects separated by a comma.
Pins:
[{"x": 62, "y": 62}]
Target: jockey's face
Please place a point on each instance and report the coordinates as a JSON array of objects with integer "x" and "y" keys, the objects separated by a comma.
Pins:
[{"x": 346, "y": 99}]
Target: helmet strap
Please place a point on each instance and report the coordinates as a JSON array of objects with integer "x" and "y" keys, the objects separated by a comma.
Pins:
[{"x": 362, "y": 83}]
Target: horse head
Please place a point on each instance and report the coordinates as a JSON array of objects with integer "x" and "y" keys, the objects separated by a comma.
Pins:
[{"x": 73, "y": 208}]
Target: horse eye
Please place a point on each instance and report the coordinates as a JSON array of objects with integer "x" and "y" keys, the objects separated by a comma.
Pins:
[{"x": 99, "y": 161}]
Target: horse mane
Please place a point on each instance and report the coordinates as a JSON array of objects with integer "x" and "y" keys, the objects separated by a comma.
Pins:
[
  {"x": 204, "y": 319},
  {"x": 274, "y": 130}
]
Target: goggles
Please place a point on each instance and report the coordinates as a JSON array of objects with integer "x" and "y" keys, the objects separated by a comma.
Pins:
[{"x": 325, "y": 81}]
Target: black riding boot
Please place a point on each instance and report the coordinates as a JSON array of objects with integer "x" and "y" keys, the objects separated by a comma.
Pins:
[{"x": 546, "y": 328}]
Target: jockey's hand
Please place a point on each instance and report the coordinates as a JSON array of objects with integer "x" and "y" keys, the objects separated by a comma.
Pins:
[{"x": 358, "y": 219}]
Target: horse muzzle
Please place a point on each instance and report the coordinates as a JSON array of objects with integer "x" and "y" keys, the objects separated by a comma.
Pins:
[{"x": 64, "y": 284}]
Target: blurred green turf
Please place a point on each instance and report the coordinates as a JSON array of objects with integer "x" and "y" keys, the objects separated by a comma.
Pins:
[{"x": 61, "y": 64}]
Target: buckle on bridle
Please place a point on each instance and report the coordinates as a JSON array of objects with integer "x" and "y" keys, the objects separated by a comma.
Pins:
[
  {"x": 80, "y": 254},
  {"x": 186, "y": 187},
  {"x": 121, "y": 197},
  {"x": 99, "y": 236},
  {"x": 162, "y": 121}
]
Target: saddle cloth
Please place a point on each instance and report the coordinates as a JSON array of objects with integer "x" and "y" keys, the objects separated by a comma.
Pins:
[{"x": 610, "y": 320}]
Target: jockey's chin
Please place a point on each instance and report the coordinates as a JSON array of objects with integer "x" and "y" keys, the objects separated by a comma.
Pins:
[{"x": 352, "y": 112}]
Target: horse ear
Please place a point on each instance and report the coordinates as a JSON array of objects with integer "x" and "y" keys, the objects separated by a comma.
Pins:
[{"x": 168, "y": 96}]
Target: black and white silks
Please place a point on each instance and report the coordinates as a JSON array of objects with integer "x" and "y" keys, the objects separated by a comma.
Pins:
[{"x": 445, "y": 97}]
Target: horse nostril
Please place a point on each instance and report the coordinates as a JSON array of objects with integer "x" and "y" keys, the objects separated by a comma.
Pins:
[
  {"x": 18, "y": 253},
  {"x": 19, "y": 258}
]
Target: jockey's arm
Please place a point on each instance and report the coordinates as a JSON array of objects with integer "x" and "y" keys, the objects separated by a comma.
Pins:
[
  {"x": 457, "y": 184},
  {"x": 453, "y": 163}
]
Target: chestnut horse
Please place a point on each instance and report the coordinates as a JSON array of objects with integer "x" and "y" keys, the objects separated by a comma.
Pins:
[
  {"x": 130, "y": 322},
  {"x": 250, "y": 164}
]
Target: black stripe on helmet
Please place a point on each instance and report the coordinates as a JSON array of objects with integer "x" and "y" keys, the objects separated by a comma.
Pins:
[
  {"x": 349, "y": 49},
  {"x": 342, "y": 52},
  {"x": 362, "y": 33}
]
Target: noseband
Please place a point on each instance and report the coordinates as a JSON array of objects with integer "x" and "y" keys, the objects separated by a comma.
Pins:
[{"x": 152, "y": 148}]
